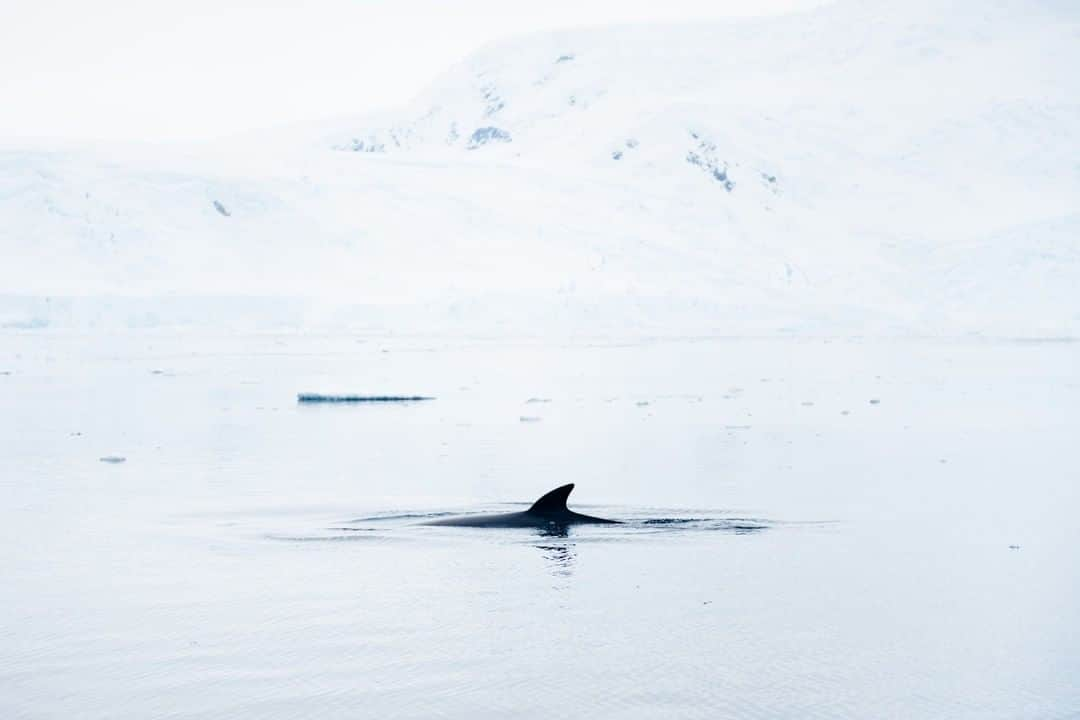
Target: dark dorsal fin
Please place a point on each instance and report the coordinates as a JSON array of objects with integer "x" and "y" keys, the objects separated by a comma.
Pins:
[{"x": 554, "y": 501}]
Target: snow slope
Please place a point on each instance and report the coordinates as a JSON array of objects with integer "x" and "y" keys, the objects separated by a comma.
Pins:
[{"x": 874, "y": 167}]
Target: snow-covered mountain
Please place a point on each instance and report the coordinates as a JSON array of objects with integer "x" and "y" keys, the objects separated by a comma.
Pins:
[{"x": 869, "y": 167}]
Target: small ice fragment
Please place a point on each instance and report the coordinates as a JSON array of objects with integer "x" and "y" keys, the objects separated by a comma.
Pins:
[{"x": 113, "y": 459}]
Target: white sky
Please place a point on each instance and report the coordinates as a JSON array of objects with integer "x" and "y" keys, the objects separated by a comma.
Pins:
[{"x": 191, "y": 69}]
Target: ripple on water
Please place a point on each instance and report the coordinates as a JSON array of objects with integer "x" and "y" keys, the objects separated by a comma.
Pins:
[{"x": 632, "y": 523}]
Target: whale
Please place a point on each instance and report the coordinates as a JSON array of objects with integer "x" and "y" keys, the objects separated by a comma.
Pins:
[{"x": 547, "y": 513}]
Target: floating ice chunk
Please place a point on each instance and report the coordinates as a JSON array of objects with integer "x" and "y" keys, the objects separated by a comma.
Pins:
[{"x": 319, "y": 398}]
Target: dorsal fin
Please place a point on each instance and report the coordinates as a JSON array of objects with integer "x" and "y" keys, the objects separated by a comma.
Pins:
[{"x": 554, "y": 501}]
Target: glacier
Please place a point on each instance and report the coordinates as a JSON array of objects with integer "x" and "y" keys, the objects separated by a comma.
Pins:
[{"x": 862, "y": 168}]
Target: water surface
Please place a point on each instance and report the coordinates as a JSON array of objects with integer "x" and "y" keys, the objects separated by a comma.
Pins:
[{"x": 815, "y": 528}]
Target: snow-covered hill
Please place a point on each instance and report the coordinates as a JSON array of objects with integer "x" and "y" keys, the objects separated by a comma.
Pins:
[{"x": 869, "y": 167}]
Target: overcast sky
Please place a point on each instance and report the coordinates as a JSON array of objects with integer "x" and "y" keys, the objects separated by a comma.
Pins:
[{"x": 150, "y": 70}]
